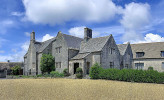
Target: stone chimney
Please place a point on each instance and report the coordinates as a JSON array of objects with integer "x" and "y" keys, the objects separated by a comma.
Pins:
[
  {"x": 32, "y": 36},
  {"x": 87, "y": 34}
]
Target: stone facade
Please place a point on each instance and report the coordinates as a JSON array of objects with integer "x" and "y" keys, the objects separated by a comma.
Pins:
[
  {"x": 155, "y": 63},
  {"x": 72, "y": 52},
  {"x": 148, "y": 55}
]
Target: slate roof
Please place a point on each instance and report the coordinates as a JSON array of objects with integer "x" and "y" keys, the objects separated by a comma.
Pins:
[
  {"x": 72, "y": 41},
  {"x": 122, "y": 48},
  {"x": 44, "y": 45},
  {"x": 151, "y": 50},
  {"x": 94, "y": 44},
  {"x": 80, "y": 56},
  {"x": 8, "y": 65}
]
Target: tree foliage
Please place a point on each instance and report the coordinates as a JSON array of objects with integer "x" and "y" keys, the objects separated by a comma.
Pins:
[
  {"x": 15, "y": 70},
  {"x": 47, "y": 63}
]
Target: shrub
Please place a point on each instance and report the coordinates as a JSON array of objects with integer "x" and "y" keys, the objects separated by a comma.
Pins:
[
  {"x": 95, "y": 71},
  {"x": 66, "y": 72},
  {"x": 150, "y": 68},
  {"x": 56, "y": 74},
  {"x": 79, "y": 70},
  {"x": 40, "y": 75},
  {"x": 79, "y": 73},
  {"x": 15, "y": 70},
  {"x": 129, "y": 75}
]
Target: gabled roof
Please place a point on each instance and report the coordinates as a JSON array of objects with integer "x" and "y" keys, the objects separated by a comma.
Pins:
[
  {"x": 80, "y": 56},
  {"x": 151, "y": 50},
  {"x": 72, "y": 41},
  {"x": 44, "y": 44},
  {"x": 122, "y": 48},
  {"x": 94, "y": 44}
]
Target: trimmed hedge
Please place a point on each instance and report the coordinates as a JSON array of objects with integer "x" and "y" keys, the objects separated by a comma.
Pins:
[{"x": 129, "y": 75}]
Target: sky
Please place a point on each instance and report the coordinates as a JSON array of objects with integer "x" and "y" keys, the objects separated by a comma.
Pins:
[{"x": 134, "y": 21}]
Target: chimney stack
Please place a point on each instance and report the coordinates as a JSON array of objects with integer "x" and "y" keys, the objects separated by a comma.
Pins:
[
  {"x": 87, "y": 34},
  {"x": 32, "y": 36}
]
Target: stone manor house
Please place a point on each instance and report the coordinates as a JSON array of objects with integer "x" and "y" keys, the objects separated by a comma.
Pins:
[{"x": 72, "y": 52}]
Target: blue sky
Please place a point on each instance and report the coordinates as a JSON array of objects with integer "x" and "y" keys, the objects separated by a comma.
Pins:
[{"x": 135, "y": 21}]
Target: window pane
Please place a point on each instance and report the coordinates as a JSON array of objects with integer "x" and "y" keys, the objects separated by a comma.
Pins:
[
  {"x": 162, "y": 65},
  {"x": 162, "y": 53},
  {"x": 139, "y": 65},
  {"x": 139, "y": 54}
]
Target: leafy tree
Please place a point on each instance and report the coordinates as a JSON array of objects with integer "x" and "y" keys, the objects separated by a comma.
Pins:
[
  {"x": 47, "y": 63},
  {"x": 15, "y": 70}
]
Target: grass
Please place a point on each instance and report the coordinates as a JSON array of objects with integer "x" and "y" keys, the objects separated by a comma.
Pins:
[{"x": 78, "y": 89}]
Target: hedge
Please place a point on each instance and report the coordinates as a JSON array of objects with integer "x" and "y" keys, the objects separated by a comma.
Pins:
[
  {"x": 129, "y": 75},
  {"x": 56, "y": 74}
]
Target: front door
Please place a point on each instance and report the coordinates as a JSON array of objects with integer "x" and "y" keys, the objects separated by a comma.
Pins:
[
  {"x": 76, "y": 65},
  {"x": 88, "y": 67}
]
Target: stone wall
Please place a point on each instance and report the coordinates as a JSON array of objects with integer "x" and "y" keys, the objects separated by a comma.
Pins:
[
  {"x": 128, "y": 57},
  {"x": 106, "y": 57},
  {"x": 63, "y": 55},
  {"x": 155, "y": 63}
]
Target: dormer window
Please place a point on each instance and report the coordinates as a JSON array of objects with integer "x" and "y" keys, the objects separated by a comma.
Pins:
[
  {"x": 162, "y": 53},
  {"x": 139, "y": 54}
]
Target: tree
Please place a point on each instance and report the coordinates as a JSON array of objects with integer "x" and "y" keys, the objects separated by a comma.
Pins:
[
  {"x": 15, "y": 70},
  {"x": 47, "y": 63}
]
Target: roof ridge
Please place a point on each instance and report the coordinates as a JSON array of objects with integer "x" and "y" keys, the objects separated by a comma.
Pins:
[
  {"x": 72, "y": 36},
  {"x": 102, "y": 37},
  {"x": 148, "y": 43}
]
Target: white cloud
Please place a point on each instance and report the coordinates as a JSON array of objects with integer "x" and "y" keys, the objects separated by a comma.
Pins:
[
  {"x": 17, "y": 14},
  {"x": 135, "y": 18},
  {"x": 27, "y": 34},
  {"x": 60, "y": 11},
  {"x": 2, "y": 41},
  {"x": 18, "y": 55},
  {"x": 5, "y": 24},
  {"x": 46, "y": 37},
  {"x": 1, "y": 51},
  {"x": 150, "y": 37},
  {"x": 79, "y": 32},
  {"x": 25, "y": 46},
  {"x": 97, "y": 32}
]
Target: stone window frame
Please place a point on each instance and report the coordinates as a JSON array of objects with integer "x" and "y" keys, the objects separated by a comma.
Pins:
[
  {"x": 111, "y": 50},
  {"x": 126, "y": 66},
  {"x": 58, "y": 64},
  {"x": 162, "y": 67},
  {"x": 58, "y": 49},
  {"x": 162, "y": 53},
  {"x": 111, "y": 64},
  {"x": 140, "y": 54},
  {"x": 139, "y": 66}
]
